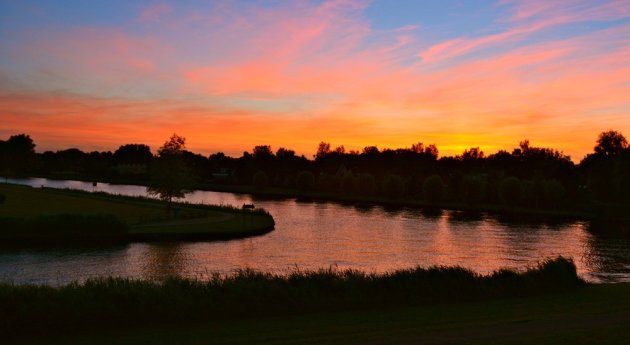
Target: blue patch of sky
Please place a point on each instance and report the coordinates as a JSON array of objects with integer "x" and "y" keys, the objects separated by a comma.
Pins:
[{"x": 438, "y": 20}]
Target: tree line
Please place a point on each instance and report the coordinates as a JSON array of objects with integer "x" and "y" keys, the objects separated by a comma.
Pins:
[{"x": 526, "y": 176}]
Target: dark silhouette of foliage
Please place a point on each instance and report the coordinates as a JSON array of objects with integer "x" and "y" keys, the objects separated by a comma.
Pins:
[
  {"x": 17, "y": 154},
  {"x": 169, "y": 173},
  {"x": 610, "y": 143},
  {"x": 474, "y": 188},
  {"x": 554, "y": 191},
  {"x": 305, "y": 181},
  {"x": 473, "y": 177},
  {"x": 366, "y": 184},
  {"x": 511, "y": 191},
  {"x": 433, "y": 188},
  {"x": 261, "y": 180},
  {"x": 472, "y": 153},
  {"x": 394, "y": 186},
  {"x": 133, "y": 154},
  {"x": 323, "y": 149}
]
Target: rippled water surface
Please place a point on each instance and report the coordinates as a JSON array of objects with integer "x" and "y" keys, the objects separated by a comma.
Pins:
[{"x": 312, "y": 235}]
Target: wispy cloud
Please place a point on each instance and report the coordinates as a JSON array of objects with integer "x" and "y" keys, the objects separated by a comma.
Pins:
[{"x": 230, "y": 76}]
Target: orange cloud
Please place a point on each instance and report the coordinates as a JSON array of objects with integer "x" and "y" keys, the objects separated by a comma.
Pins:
[{"x": 293, "y": 76}]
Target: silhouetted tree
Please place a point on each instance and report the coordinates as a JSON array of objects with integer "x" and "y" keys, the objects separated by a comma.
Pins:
[
  {"x": 133, "y": 154},
  {"x": 323, "y": 149},
  {"x": 305, "y": 180},
  {"x": 366, "y": 184},
  {"x": 511, "y": 191},
  {"x": 610, "y": 143},
  {"x": 370, "y": 150},
  {"x": 347, "y": 182},
  {"x": 474, "y": 188},
  {"x": 394, "y": 186},
  {"x": 169, "y": 173},
  {"x": 433, "y": 188},
  {"x": 472, "y": 153},
  {"x": 17, "y": 154},
  {"x": 554, "y": 192},
  {"x": 260, "y": 180},
  {"x": 262, "y": 152}
]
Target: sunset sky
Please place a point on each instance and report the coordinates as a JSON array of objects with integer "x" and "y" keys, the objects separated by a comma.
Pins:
[{"x": 229, "y": 75}]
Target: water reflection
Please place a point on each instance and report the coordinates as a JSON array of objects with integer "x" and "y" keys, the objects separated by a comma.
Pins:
[{"x": 311, "y": 235}]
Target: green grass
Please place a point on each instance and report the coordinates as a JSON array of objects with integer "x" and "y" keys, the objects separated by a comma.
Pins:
[
  {"x": 42, "y": 212},
  {"x": 113, "y": 303}
]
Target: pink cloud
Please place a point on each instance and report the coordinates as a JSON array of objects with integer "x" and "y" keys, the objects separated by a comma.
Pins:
[
  {"x": 154, "y": 12},
  {"x": 529, "y": 17},
  {"x": 323, "y": 73}
]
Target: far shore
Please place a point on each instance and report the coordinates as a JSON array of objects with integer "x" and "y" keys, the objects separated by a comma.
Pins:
[{"x": 597, "y": 212}]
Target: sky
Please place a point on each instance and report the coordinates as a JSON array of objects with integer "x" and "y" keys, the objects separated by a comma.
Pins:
[{"x": 229, "y": 75}]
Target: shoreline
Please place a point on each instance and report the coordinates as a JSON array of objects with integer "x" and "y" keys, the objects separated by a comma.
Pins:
[
  {"x": 103, "y": 218},
  {"x": 312, "y": 196}
]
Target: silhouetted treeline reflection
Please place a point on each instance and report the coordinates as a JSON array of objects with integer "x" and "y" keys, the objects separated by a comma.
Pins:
[{"x": 528, "y": 176}]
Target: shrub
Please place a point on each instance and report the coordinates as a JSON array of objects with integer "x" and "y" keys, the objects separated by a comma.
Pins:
[
  {"x": 394, "y": 186},
  {"x": 366, "y": 184},
  {"x": 511, "y": 191},
  {"x": 554, "y": 191},
  {"x": 305, "y": 180},
  {"x": 474, "y": 188},
  {"x": 348, "y": 183},
  {"x": 433, "y": 188},
  {"x": 261, "y": 180},
  {"x": 2, "y": 198}
]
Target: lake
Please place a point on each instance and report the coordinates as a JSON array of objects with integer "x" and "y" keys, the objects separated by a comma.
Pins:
[{"x": 312, "y": 235}]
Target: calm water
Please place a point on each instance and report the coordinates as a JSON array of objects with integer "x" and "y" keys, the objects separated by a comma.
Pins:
[{"x": 314, "y": 235}]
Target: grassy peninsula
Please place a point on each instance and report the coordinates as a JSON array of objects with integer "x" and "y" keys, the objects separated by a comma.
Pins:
[{"x": 45, "y": 215}]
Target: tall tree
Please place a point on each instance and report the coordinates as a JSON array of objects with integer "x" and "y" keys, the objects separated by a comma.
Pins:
[
  {"x": 169, "y": 173},
  {"x": 610, "y": 143}
]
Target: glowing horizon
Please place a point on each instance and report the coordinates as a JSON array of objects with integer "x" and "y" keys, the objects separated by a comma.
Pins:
[{"x": 232, "y": 75}]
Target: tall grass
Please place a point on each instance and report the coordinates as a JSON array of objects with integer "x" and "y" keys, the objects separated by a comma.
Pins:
[{"x": 117, "y": 302}]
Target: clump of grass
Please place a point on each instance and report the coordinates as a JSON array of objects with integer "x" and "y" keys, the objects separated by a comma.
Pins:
[{"x": 117, "y": 302}]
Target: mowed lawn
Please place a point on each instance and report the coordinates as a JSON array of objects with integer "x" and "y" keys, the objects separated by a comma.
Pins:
[
  {"x": 142, "y": 215},
  {"x": 595, "y": 314}
]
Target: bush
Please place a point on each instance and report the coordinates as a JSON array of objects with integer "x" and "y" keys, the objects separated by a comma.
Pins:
[
  {"x": 348, "y": 183},
  {"x": 554, "y": 191},
  {"x": 2, "y": 198},
  {"x": 433, "y": 188},
  {"x": 366, "y": 184},
  {"x": 328, "y": 183},
  {"x": 305, "y": 181},
  {"x": 394, "y": 186},
  {"x": 511, "y": 191},
  {"x": 474, "y": 189},
  {"x": 261, "y": 180}
]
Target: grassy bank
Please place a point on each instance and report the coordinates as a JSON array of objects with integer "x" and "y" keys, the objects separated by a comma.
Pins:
[
  {"x": 121, "y": 303},
  {"x": 31, "y": 215},
  {"x": 595, "y": 314}
]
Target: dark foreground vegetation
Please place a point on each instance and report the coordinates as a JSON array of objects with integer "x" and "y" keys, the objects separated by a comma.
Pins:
[
  {"x": 594, "y": 314},
  {"x": 115, "y": 303},
  {"x": 527, "y": 178},
  {"x": 43, "y": 216}
]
